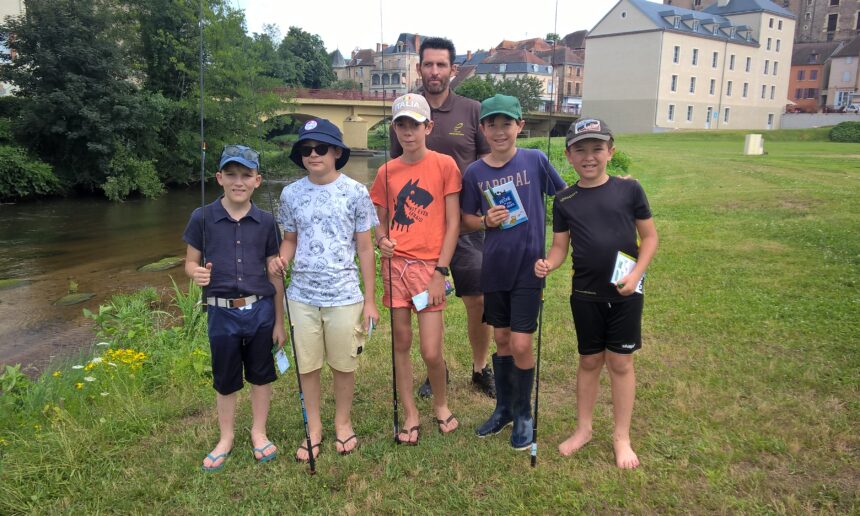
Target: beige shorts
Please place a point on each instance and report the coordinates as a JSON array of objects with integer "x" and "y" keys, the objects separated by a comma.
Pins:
[{"x": 335, "y": 333}]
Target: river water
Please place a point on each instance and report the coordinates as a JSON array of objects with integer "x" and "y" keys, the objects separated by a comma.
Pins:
[{"x": 99, "y": 245}]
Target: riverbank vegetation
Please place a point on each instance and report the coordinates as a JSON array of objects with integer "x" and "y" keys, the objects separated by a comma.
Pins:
[
  {"x": 107, "y": 93},
  {"x": 748, "y": 399}
]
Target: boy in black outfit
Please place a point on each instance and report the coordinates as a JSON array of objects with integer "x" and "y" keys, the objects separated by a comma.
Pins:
[{"x": 601, "y": 216}]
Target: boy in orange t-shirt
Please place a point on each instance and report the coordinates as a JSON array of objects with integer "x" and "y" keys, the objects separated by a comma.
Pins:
[{"x": 417, "y": 201}]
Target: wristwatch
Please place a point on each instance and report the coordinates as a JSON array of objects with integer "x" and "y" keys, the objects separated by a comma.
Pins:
[{"x": 443, "y": 271}]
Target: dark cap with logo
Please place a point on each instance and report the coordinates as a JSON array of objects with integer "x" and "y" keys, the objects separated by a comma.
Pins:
[{"x": 585, "y": 128}]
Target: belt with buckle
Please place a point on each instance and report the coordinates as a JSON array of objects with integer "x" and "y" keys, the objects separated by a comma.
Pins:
[{"x": 231, "y": 303}]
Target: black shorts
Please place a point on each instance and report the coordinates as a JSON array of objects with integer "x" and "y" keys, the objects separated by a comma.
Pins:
[
  {"x": 615, "y": 326},
  {"x": 515, "y": 309},
  {"x": 466, "y": 264},
  {"x": 240, "y": 337}
]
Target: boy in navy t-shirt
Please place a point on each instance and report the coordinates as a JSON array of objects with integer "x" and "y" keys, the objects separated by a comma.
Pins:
[
  {"x": 601, "y": 217},
  {"x": 512, "y": 293}
]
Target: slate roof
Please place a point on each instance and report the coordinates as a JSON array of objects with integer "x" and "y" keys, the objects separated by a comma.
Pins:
[
  {"x": 697, "y": 23},
  {"x": 575, "y": 40},
  {"x": 363, "y": 57},
  {"x": 563, "y": 55},
  {"x": 851, "y": 49},
  {"x": 748, "y": 6},
  {"x": 337, "y": 60},
  {"x": 812, "y": 53},
  {"x": 515, "y": 61}
]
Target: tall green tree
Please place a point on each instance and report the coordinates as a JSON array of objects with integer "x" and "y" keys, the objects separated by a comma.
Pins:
[
  {"x": 528, "y": 89},
  {"x": 81, "y": 102},
  {"x": 306, "y": 52},
  {"x": 477, "y": 88}
]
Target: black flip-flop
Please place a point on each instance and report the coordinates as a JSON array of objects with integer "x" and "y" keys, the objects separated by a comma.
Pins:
[
  {"x": 305, "y": 448},
  {"x": 408, "y": 432},
  {"x": 445, "y": 422},
  {"x": 343, "y": 450}
]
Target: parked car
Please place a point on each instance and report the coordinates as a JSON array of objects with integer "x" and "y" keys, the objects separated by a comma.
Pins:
[{"x": 852, "y": 108}]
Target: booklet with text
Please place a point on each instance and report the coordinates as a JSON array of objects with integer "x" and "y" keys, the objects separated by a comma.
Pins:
[
  {"x": 624, "y": 263},
  {"x": 506, "y": 195}
]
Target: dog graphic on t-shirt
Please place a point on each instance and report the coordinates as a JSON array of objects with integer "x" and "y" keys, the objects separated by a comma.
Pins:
[{"x": 411, "y": 206}]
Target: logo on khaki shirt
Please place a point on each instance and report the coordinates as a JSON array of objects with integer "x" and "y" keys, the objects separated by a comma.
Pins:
[{"x": 457, "y": 130}]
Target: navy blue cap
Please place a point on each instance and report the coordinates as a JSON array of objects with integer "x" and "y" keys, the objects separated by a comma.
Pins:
[
  {"x": 323, "y": 131},
  {"x": 240, "y": 154}
]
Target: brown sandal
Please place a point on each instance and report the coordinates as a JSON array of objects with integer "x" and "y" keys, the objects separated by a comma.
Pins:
[
  {"x": 343, "y": 450},
  {"x": 408, "y": 433},
  {"x": 445, "y": 422}
]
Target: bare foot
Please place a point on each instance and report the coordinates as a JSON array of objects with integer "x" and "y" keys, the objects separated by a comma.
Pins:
[
  {"x": 263, "y": 447},
  {"x": 220, "y": 452},
  {"x": 625, "y": 457},
  {"x": 577, "y": 440}
]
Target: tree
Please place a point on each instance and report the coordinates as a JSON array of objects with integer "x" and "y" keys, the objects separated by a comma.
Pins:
[
  {"x": 552, "y": 36},
  {"x": 306, "y": 53},
  {"x": 477, "y": 88},
  {"x": 345, "y": 84},
  {"x": 526, "y": 88},
  {"x": 81, "y": 102}
]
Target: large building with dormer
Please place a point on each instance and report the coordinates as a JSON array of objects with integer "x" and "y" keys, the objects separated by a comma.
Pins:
[{"x": 654, "y": 67}]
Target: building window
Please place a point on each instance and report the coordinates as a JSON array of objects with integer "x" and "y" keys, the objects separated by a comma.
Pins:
[
  {"x": 746, "y": 89},
  {"x": 768, "y": 43},
  {"x": 693, "y": 84},
  {"x": 801, "y": 74},
  {"x": 395, "y": 78},
  {"x": 857, "y": 21},
  {"x": 811, "y": 93},
  {"x": 777, "y": 45},
  {"x": 832, "y": 20},
  {"x": 834, "y": 2},
  {"x": 568, "y": 88},
  {"x": 671, "y": 112},
  {"x": 375, "y": 80},
  {"x": 813, "y": 75},
  {"x": 732, "y": 62},
  {"x": 576, "y": 90},
  {"x": 749, "y": 64},
  {"x": 763, "y": 91},
  {"x": 714, "y": 58},
  {"x": 846, "y": 76},
  {"x": 775, "y": 65},
  {"x": 695, "y": 60},
  {"x": 676, "y": 22},
  {"x": 676, "y": 57},
  {"x": 779, "y": 24},
  {"x": 674, "y": 85},
  {"x": 578, "y": 71},
  {"x": 766, "y": 66},
  {"x": 770, "y": 23},
  {"x": 712, "y": 88},
  {"x": 729, "y": 89},
  {"x": 726, "y": 115},
  {"x": 798, "y": 93},
  {"x": 689, "y": 113},
  {"x": 772, "y": 92}
]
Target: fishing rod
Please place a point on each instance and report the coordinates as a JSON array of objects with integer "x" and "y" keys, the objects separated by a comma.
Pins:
[
  {"x": 534, "y": 447},
  {"x": 388, "y": 214},
  {"x": 202, "y": 163},
  {"x": 286, "y": 301}
]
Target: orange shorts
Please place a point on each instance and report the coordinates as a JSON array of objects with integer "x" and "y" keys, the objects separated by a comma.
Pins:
[{"x": 409, "y": 277}]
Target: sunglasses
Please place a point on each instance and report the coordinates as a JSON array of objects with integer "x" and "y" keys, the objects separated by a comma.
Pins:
[
  {"x": 234, "y": 151},
  {"x": 321, "y": 149}
]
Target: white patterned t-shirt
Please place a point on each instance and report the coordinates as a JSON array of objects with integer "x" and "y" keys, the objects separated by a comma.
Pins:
[{"x": 326, "y": 218}]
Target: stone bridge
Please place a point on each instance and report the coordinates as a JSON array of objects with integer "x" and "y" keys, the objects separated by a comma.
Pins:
[{"x": 355, "y": 113}]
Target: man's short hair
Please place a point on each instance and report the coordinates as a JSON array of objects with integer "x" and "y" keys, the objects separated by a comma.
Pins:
[{"x": 437, "y": 44}]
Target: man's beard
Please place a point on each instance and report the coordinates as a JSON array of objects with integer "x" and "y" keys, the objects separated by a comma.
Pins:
[{"x": 434, "y": 89}]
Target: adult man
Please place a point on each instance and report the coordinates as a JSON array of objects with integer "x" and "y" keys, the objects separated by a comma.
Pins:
[{"x": 456, "y": 133}]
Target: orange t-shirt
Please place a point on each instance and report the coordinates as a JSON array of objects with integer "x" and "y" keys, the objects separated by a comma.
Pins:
[{"x": 416, "y": 203}]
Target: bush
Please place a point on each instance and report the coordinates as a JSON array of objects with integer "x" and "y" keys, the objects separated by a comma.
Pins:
[
  {"x": 22, "y": 176},
  {"x": 619, "y": 165},
  {"x": 131, "y": 174},
  {"x": 846, "y": 132}
]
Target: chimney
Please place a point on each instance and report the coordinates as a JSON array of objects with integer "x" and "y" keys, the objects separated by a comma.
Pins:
[
  {"x": 468, "y": 55},
  {"x": 417, "y": 43}
]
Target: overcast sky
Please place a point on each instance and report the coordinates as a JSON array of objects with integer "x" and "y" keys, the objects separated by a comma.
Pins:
[{"x": 470, "y": 24}]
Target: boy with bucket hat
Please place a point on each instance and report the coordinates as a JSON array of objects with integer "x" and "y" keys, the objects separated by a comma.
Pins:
[
  {"x": 512, "y": 293},
  {"x": 327, "y": 217},
  {"x": 236, "y": 239}
]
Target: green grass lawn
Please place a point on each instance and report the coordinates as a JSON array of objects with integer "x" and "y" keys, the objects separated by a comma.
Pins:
[{"x": 748, "y": 381}]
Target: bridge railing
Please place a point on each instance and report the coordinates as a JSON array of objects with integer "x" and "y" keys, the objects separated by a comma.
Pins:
[{"x": 331, "y": 94}]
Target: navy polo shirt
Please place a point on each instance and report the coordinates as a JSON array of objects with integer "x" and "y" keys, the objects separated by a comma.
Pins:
[{"x": 237, "y": 249}]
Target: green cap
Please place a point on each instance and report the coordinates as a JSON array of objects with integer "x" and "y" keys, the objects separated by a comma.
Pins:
[{"x": 500, "y": 104}]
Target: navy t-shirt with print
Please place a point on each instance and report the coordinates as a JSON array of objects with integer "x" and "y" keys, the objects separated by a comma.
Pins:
[{"x": 510, "y": 254}]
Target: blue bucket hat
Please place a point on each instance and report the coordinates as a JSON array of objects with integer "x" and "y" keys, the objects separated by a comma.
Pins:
[
  {"x": 323, "y": 131},
  {"x": 240, "y": 154}
]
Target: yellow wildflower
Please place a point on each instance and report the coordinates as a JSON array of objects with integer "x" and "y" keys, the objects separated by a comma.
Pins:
[
  {"x": 57, "y": 374},
  {"x": 79, "y": 385}
]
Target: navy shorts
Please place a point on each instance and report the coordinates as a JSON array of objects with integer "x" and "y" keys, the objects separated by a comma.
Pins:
[
  {"x": 466, "y": 264},
  {"x": 515, "y": 309},
  {"x": 615, "y": 326},
  {"x": 241, "y": 338}
]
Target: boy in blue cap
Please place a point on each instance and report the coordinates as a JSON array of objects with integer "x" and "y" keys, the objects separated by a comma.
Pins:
[
  {"x": 512, "y": 293},
  {"x": 236, "y": 239},
  {"x": 327, "y": 218}
]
